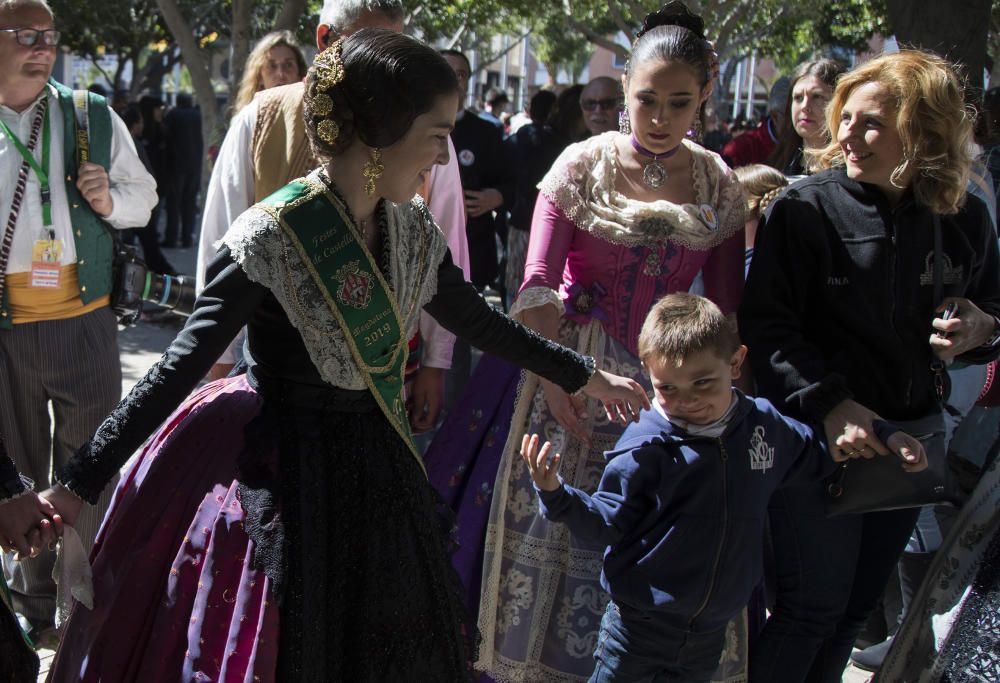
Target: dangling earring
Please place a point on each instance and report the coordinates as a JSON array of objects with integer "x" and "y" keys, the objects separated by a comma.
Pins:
[
  {"x": 372, "y": 171},
  {"x": 695, "y": 132},
  {"x": 624, "y": 124}
]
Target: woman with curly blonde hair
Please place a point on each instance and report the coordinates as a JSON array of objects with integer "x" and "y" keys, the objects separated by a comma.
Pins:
[
  {"x": 275, "y": 60},
  {"x": 845, "y": 328}
]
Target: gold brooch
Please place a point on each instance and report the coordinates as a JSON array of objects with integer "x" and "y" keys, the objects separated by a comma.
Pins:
[{"x": 328, "y": 130}]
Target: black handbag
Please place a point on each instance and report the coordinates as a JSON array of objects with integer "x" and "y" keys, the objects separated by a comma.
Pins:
[{"x": 881, "y": 483}]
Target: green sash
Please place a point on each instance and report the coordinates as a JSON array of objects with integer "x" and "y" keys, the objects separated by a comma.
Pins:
[{"x": 347, "y": 275}]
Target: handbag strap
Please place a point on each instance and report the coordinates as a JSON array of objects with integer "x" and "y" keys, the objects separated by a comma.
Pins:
[
  {"x": 937, "y": 365},
  {"x": 938, "y": 262},
  {"x": 18, "y": 198}
]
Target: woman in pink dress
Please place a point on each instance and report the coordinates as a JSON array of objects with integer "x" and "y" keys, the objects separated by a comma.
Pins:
[{"x": 621, "y": 220}]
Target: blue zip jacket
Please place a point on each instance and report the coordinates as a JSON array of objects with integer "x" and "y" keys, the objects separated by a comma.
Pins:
[{"x": 683, "y": 516}]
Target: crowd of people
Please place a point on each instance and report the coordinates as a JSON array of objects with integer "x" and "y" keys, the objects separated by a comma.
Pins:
[{"x": 638, "y": 479}]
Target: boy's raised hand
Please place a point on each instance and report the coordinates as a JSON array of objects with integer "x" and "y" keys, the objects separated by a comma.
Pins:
[{"x": 543, "y": 469}]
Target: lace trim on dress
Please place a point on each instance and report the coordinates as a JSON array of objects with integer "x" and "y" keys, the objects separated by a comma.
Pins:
[
  {"x": 416, "y": 248},
  {"x": 535, "y": 297},
  {"x": 582, "y": 184}
]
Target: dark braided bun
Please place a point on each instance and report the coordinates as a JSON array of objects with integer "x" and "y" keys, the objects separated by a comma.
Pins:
[
  {"x": 674, "y": 13},
  {"x": 674, "y": 33}
]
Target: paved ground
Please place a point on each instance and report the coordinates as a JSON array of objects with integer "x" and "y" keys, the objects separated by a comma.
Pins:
[{"x": 142, "y": 345}]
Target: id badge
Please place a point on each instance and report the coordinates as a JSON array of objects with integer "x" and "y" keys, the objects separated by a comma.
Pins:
[{"x": 46, "y": 257}]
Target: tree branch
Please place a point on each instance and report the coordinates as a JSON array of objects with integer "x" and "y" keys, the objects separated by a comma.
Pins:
[
  {"x": 638, "y": 13},
  {"x": 453, "y": 41},
  {"x": 197, "y": 63},
  {"x": 288, "y": 17},
  {"x": 490, "y": 58},
  {"x": 107, "y": 76},
  {"x": 592, "y": 35},
  {"x": 620, "y": 21},
  {"x": 239, "y": 46}
]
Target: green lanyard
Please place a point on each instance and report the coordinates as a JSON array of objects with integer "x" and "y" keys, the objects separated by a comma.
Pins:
[{"x": 41, "y": 172}]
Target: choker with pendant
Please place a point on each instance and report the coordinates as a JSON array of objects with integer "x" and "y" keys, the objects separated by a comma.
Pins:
[{"x": 653, "y": 175}]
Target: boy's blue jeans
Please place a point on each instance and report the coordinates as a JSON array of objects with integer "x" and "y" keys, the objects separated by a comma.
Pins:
[{"x": 636, "y": 646}]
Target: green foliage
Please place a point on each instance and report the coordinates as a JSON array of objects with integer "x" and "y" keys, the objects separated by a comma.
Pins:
[
  {"x": 559, "y": 49},
  {"x": 466, "y": 24},
  {"x": 822, "y": 28},
  {"x": 122, "y": 27}
]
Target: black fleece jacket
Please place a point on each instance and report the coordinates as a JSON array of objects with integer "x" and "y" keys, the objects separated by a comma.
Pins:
[{"x": 839, "y": 298}]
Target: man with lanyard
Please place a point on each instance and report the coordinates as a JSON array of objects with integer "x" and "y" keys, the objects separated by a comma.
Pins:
[
  {"x": 58, "y": 342},
  {"x": 266, "y": 147}
]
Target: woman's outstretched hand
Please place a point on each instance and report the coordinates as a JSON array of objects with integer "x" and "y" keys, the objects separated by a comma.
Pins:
[
  {"x": 569, "y": 411},
  {"x": 623, "y": 398}
]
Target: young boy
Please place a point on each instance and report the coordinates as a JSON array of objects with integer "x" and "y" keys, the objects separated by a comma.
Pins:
[{"x": 682, "y": 502}]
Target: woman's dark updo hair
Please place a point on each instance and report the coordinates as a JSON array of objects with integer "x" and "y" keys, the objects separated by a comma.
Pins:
[
  {"x": 674, "y": 33},
  {"x": 389, "y": 80}
]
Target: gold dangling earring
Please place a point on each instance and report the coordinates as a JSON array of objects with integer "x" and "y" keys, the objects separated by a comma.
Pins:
[{"x": 372, "y": 171}]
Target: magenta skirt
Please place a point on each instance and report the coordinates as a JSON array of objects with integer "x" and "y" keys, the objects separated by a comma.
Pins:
[{"x": 175, "y": 597}]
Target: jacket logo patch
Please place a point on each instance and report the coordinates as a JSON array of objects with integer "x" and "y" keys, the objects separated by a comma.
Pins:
[
  {"x": 466, "y": 157},
  {"x": 837, "y": 281},
  {"x": 951, "y": 276},
  {"x": 761, "y": 455}
]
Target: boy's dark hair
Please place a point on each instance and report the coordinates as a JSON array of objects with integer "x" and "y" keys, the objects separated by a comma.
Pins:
[{"x": 681, "y": 324}]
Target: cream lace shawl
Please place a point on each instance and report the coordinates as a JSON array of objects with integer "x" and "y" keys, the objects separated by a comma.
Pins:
[
  {"x": 582, "y": 184},
  {"x": 416, "y": 245}
]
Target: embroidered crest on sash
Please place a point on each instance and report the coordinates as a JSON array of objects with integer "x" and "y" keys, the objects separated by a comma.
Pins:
[
  {"x": 355, "y": 285},
  {"x": 761, "y": 455}
]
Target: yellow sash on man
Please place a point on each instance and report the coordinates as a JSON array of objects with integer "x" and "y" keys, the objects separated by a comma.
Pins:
[{"x": 345, "y": 272}]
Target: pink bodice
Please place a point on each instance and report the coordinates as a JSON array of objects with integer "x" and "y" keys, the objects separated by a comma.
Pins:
[{"x": 619, "y": 284}]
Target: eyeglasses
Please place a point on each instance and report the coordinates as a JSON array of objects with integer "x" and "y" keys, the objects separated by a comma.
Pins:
[
  {"x": 607, "y": 104},
  {"x": 28, "y": 37}
]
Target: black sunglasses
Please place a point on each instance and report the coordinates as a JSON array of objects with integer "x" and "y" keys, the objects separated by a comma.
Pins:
[
  {"x": 28, "y": 37},
  {"x": 605, "y": 104}
]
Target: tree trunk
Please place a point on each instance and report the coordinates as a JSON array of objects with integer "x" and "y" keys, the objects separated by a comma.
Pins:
[
  {"x": 956, "y": 29},
  {"x": 552, "y": 71},
  {"x": 239, "y": 45},
  {"x": 291, "y": 13},
  {"x": 198, "y": 64}
]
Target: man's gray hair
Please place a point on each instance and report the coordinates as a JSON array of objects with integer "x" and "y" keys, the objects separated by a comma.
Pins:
[
  {"x": 14, "y": 5},
  {"x": 340, "y": 15}
]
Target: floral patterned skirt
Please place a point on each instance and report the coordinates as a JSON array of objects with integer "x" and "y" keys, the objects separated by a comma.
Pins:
[{"x": 952, "y": 628}]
